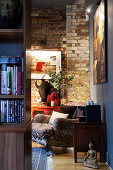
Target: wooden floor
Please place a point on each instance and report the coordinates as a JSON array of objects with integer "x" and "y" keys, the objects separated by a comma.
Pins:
[{"x": 63, "y": 159}]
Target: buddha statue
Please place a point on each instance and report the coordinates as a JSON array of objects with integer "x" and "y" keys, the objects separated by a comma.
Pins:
[{"x": 91, "y": 159}]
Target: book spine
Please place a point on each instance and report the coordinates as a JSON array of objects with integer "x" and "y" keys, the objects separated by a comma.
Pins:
[
  {"x": 22, "y": 79},
  {"x": 4, "y": 79},
  {"x": 22, "y": 110},
  {"x": 1, "y": 109},
  {"x": 9, "y": 111},
  {"x": 19, "y": 76},
  {"x": 12, "y": 83},
  {"x": 3, "y": 106},
  {"x": 5, "y": 111},
  {"x": 14, "y": 80},
  {"x": 16, "y": 112},
  {"x": 13, "y": 113},
  {"x": 8, "y": 80},
  {"x": 7, "y": 120}
]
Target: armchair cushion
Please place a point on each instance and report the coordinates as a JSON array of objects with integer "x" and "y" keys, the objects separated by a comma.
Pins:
[
  {"x": 41, "y": 118},
  {"x": 57, "y": 115},
  {"x": 41, "y": 133},
  {"x": 70, "y": 110}
]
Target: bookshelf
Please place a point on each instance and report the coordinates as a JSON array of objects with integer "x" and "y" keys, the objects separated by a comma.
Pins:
[{"x": 15, "y": 136}]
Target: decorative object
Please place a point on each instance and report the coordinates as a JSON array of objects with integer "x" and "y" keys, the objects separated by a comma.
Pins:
[
  {"x": 10, "y": 14},
  {"x": 99, "y": 53},
  {"x": 43, "y": 61},
  {"x": 60, "y": 79},
  {"x": 91, "y": 159},
  {"x": 56, "y": 115},
  {"x": 53, "y": 98},
  {"x": 40, "y": 159}
]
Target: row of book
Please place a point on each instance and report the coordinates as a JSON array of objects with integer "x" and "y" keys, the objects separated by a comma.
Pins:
[
  {"x": 11, "y": 111},
  {"x": 12, "y": 76}
]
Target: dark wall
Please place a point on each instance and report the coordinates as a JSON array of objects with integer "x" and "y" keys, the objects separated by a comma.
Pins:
[{"x": 104, "y": 92}]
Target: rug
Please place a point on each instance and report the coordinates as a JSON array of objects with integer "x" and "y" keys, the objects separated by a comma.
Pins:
[{"x": 41, "y": 160}]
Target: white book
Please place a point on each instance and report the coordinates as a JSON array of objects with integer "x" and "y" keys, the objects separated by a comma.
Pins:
[{"x": 4, "y": 79}]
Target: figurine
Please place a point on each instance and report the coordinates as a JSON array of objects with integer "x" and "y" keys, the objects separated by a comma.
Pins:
[{"x": 91, "y": 159}]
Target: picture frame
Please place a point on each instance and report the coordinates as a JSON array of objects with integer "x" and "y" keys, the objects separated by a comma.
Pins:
[
  {"x": 99, "y": 45},
  {"x": 44, "y": 60}
]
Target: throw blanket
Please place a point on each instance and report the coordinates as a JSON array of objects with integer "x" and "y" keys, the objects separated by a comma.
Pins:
[{"x": 41, "y": 160}]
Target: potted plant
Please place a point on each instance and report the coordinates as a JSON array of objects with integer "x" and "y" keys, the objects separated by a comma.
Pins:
[{"x": 60, "y": 79}]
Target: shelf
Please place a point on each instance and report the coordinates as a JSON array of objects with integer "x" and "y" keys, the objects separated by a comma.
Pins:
[
  {"x": 11, "y": 97},
  {"x": 14, "y": 127},
  {"x": 11, "y": 34}
]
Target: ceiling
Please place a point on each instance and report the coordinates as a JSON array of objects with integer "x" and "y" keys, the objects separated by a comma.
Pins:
[{"x": 52, "y": 3}]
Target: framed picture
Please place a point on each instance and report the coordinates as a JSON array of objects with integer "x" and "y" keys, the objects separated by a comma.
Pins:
[
  {"x": 43, "y": 61},
  {"x": 99, "y": 53}
]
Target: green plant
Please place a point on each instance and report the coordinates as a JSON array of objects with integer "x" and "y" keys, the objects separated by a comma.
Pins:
[{"x": 60, "y": 79}]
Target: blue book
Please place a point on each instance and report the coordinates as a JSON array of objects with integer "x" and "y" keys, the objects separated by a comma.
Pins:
[
  {"x": 9, "y": 111},
  {"x": 16, "y": 112},
  {"x": 22, "y": 110},
  {"x": 11, "y": 120}
]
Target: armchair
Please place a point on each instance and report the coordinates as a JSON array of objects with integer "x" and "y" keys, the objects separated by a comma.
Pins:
[{"x": 60, "y": 133}]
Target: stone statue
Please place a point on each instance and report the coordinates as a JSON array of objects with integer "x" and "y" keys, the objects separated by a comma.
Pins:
[{"x": 91, "y": 159}]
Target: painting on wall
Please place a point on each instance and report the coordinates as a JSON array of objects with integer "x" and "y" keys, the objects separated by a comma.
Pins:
[
  {"x": 43, "y": 61},
  {"x": 99, "y": 60}
]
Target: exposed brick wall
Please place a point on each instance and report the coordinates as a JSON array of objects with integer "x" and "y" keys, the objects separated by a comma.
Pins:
[
  {"x": 48, "y": 32},
  {"x": 77, "y": 36},
  {"x": 65, "y": 30}
]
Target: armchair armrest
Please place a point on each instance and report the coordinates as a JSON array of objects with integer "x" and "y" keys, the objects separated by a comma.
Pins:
[
  {"x": 60, "y": 124},
  {"x": 41, "y": 118}
]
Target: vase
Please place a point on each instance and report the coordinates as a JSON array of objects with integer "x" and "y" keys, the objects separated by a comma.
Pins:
[{"x": 10, "y": 14}]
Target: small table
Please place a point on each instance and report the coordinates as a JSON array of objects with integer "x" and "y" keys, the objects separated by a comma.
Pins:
[
  {"x": 84, "y": 132},
  {"x": 46, "y": 109}
]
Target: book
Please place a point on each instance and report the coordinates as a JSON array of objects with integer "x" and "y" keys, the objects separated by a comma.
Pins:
[
  {"x": 19, "y": 76},
  {"x": 16, "y": 112},
  {"x": 13, "y": 113},
  {"x": 14, "y": 80},
  {"x": 22, "y": 79},
  {"x": 22, "y": 110},
  {"x": 3, "y": 79},
  {"x": 8, "y": 80}
]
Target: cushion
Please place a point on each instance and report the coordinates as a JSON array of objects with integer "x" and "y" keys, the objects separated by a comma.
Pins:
[
  {"x": 70, "y": 110},
  {"x": 57, "y": 115}
]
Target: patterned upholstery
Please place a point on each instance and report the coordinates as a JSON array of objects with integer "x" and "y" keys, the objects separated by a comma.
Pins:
[
  {"x": 60, "y": 133},
  {"x": 41, "y": 132}
]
